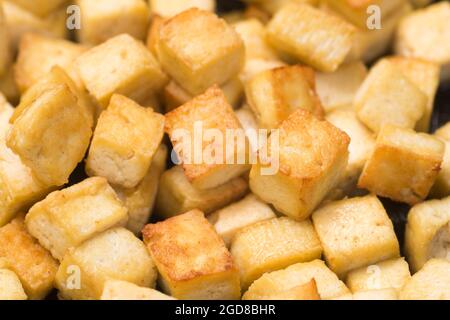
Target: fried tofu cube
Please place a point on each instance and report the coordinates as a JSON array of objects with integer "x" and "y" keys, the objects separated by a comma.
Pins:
[
  {"x": 51, "y": 128},
  {"x": 328, "y": 284},
  {"x": 376, "y": 294},
  {"x": 217, "y": 56},
  {"x": 427, "y": 232},
  {"x": 273, "y": 245},
  {"x": 403, "y": 166},
  {"x": 307, "y": 291},
  {"x": 233, "y": 218},
  {"x": 124, "y": 142},
  {"x": 424, "y": 34},
  {"x": 430, "y": 283},
  {"x": 33, "y": 264},
  {"x": 192, "y": 259},
  {"x": 177, "y": 195},
  {"x": 255, "y": 66},
  {"x": 354, "y": 233},
  {"x": 388, "y": 274},
  {"x": 170, "y": 8},
  {"x": 40, "y": 8},
  {"x": 103, "y": 19},
  {"x": 115, "y": 254},
  {"x": 10, "y": 286},
  {"x": 387, "y": 96},
  {"x": 275, "y": 94},
  {"x": 38, "y": 54},
  {"x": 140, "y": 200},
  {"x": 120, "y": 65},
  {"x": 441, "y": 187},
  {"x": 337, "y": 90},
  {"x": 312, "y": 36},
  {"x": 66, "y": 218},
  {"x": 306, "y": 162},
  {"x": 123, "y": 290},
  {"x": 5, "y": 50},
  {"x": 208, "y": 160}
]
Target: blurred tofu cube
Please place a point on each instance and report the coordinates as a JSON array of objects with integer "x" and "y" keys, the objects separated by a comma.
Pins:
[
  {"x": 328, "y": 284},
  {"x": 255, "y": 66},
  {"x": 170, "y": 8},
  {"x": 310, "y": 35},
  {"x": 115, "y": 254},
  {"x": 301, "y": 165},
  {"x": 34, "y": 265},
  {"x": 376, "y": 294},
  {"x": 427, "y": 232},
  {"x": 273, "y": 245},
  {"x": 40, "y": 8},
  {"x": 217, "y": 56},
  {"x": 307, "y": 291},
  {"x": 275, "y": 94},
  {"x": 387, "y": 96},
  {"x": 177, "y": 195},
  {"x": 104, "y": 19},
  {"x": 403, "y": 166},
  {"x": 66, "y": 218},
  {"x": 120, "y": 65},
  {"x": 354, "y": 233},
  {"x": 10, "y": 286},
  {"x": 441, "y": 187},
  {"x": 5, "y": 50},
  {"x": 192, "y": 259},
  {"x": 123, "y": 290}
]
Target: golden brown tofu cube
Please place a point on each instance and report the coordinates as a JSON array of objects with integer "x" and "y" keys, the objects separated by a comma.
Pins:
[
  {"x": 177, "y": 195},
  {"x": 392, "y": 273},
  {"x": 231, "y": 219},
  {"x": 104, "y": 19},
  {"x": 123, "y": 290},
  {"x": 307, "y": 291},
  {"x": 273, "y": 245},
  {"x": 387, "y": 96},
  {"x": 120, "y": 65},
  {"x": 310, "y": 35},
  {"x": 424, "y": 34},
  {"x": 403, "y": 166},
  {"x": 34, "y": 265},
  {"x": 10, "y": 286},
  {"x": 5, "y": 50},
  {"x": 255, "y": 66},
  {"x": 430, "y": 283},
  {"x": 115, "y": 254},
  {"x": 208, "y": 162},
  {"x": 51, "y": 128},
  {"x": 328, "y": 284},
  {"x": 306, "y": 162},
  {"x": 40, "y": 8},
  {"x": 376, "y": 294},
  {"x": 192, "y": 259},
  {"x": 66, "y": 218},
  {"x": 140, "y": 200},
  {"x": 441, "y": 187},
  {"x": 275, "y": 94},
  {"x": 124, "y": 142},
  {"x": 354, "y": 233},
  {"x": 198, "y": 50},
  {"x": 170, "y": 8},
  {"x": 427, "y": 232},
  {"x": 38, "y": 54}
]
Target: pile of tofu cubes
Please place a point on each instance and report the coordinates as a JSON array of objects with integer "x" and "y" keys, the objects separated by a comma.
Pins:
[{"x": 96, "y": 201}]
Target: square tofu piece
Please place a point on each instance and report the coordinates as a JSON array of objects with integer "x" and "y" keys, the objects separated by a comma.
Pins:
[
  {"x": 328, "y": 284},
  {"x": 424, "y": 34},
  {"x": 384, "y": 275},
  {"x": 124, "y": 142},
  {"x": 66, "y": 218},
  {"x": 427, "y": 233},
  {"x": 177, "y": 195},
  {"x": 229, "y": 220},
  {"x": 192, "y": 260},
  {"x": 432, "y": 282},
  {"x": 306, "y": 162},
  {"x": 212, "y": 156},
  {"x": 275, "y": 94},
  {"x": 198, "y": 50},
  {"x": 441, "y": 187},
  {"x": 120, "y": 65},
  {"x": 33, "y": 264},
  {"x": 5, "y": 50},
  {"x": 389, "y": 96},
  {"x": 38, "y": 54},
  {"x": 273, "y": 245},
  {"x": 40, "y": 8},
  {"x": 123, "y": 290},
  {"x": 104, "y": 19},
  {"x": 403, "y": 166},
  {"x": 310, "y": 35},
  {"x": 10, "y": 286},
  {"x": 115, "y": 254},
  {"x": 354, "y": 233},
  {"x": 170, "y": 8},
  {"x": 51, "y": 128}
]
